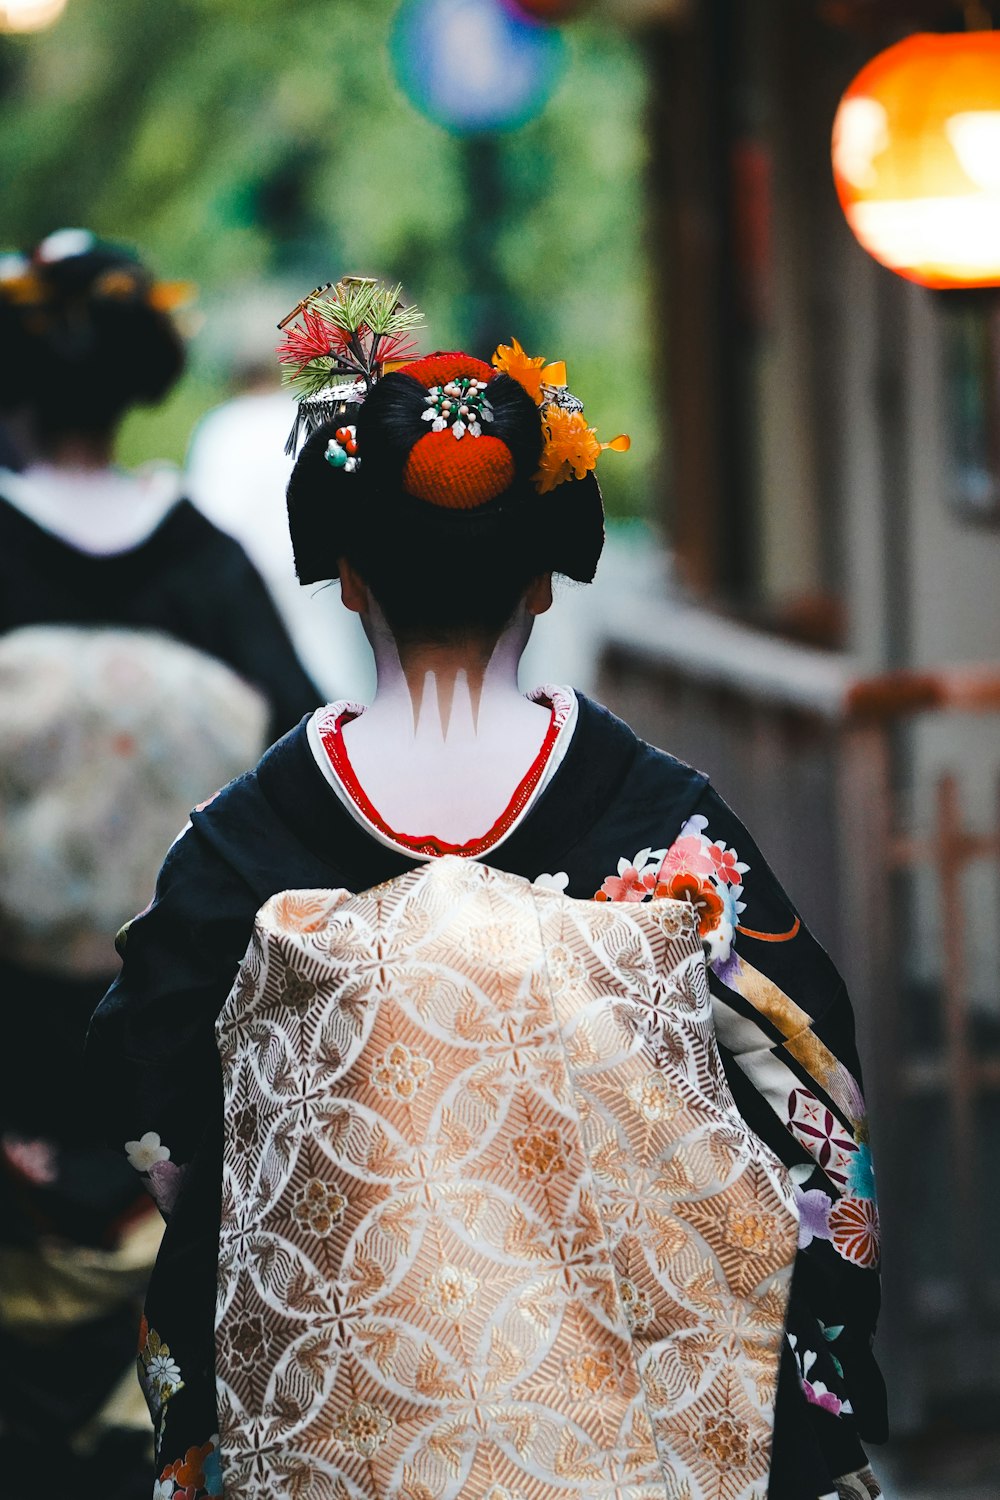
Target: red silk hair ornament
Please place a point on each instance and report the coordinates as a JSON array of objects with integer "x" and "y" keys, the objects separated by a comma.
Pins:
[
  {"x": 439, "y": 368},
  {"x": 458, "y": 475}
]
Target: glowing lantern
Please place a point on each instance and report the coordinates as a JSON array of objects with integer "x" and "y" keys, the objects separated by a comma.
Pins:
[
  {"x": 916, "y": 158},
  {"x": 29, "y": 15},
  {"x": 474, "y": 65}
]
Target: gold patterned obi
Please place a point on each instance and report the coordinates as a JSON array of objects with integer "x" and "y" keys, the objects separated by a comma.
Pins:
[{"x": 492, "y": 1226}]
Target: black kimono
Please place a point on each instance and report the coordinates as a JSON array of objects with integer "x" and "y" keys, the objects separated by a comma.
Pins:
[
  {"x": 783, "y": 1019},
  {"x": 187, "y": 579},
  {"x": 58, "y": 1183}
]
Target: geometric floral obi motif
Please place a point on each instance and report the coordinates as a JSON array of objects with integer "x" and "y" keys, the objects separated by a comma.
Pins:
[{"x": 492, "y": 1226}]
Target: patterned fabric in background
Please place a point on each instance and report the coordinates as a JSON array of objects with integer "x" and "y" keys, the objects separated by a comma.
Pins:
[
  {"x": 488, "y": 1204},
  {"x": 108, "y": 738}
]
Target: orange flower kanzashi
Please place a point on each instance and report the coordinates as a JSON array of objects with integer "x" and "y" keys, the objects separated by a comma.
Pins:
[
  {"x": 571, "y": 448},
  {"x": 530, "y": 371}
]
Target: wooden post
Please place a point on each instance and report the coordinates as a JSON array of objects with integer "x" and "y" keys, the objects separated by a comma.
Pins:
[
  {"x": 950, "y": 859},
  {"x": 870, "y": 922},
  {"x": 685, "y": 257}
]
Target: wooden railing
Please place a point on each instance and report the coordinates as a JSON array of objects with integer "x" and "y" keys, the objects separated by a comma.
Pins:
[{"x": 823, "y": 764}]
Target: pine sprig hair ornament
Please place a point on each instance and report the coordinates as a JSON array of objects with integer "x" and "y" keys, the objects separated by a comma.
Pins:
[
  {"x": 338, "y": 341},
  {"x": 570, "y": 448}
]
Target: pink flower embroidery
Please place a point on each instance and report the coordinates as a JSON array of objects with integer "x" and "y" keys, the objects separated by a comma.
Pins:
[
  {"x": 706, "y": 875},
  {"x": 636, "y": 880},
  {"x": 815, "y": 1391},
  {"x": 818, "y": 1395},
  {"x": 630, "y": 885},
  {"x": 726, "y": 864},
  {"x": 688, "y": 856}
]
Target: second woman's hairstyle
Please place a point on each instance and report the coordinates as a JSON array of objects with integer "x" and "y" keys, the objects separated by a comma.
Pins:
[{"x": 86, "y": 333}]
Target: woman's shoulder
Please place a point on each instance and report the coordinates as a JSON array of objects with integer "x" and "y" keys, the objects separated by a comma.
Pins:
[
  {"x": 257, "y": 823},
  {"x": 157, "y": 521},
  {"x": 603, "y": 735},
  {"x": 189, "y": 532},
  {"x": 99, "y": 514}
]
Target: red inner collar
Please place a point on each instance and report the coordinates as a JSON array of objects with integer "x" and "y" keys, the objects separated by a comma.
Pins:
[{"x": 332, "y": 737}]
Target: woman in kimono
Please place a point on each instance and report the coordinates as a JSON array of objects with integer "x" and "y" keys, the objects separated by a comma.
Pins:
[
  {"x": 445, "y": 501},
  {"x": 88, "y": 336},
  {"x": 123, "y": 616}
]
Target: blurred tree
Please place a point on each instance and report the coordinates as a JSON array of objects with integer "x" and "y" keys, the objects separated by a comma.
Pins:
[{"x": 247, "y": 141}]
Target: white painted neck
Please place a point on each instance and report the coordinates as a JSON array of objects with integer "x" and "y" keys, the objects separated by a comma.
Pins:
[{"x": 448, "y": 736}]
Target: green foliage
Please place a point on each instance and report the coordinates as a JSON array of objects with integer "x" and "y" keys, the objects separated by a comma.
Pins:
[
  {"x": 164, "y": 431},
  {"x": 247, "y": 141}
]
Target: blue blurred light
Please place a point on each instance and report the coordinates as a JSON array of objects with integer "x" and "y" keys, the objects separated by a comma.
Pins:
[{"x": 473, "y": 65}]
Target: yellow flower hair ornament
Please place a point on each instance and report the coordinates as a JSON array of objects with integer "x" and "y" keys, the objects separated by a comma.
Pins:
[
  {"x": 534, "y": 374},
  {"x": 570, "y": 448}
]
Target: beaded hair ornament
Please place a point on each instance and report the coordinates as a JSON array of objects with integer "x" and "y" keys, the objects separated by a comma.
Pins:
[{"x": 341, "y": 339}]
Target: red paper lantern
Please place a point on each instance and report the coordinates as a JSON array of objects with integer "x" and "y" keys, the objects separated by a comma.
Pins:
[
  {"x": 546, "y": 10},
  {"x": 916, "y": 158}
]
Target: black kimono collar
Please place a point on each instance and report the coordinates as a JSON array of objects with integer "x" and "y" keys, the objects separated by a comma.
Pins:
[
  {"x": 282, "y": 827},
  {"x": 283, "y": 817}
]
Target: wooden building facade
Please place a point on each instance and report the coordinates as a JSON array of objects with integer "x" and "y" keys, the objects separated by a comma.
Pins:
[{"x": 831, "y": 497}]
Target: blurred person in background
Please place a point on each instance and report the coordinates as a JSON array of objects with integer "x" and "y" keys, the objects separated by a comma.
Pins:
[
  {"x": 480, "y": 1192},
  {"x": 142, "y": 665},
  {"x": 87, "y": 334}
]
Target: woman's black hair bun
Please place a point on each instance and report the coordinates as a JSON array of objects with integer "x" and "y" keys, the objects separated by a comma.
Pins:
[
  {"x": 438, "y": 557},
  {"x": 574, "y": 520},
  {"x": 391, "y": 423},
  {"x": 331, "y": 512},
  {"x": 83, "y": 337}
]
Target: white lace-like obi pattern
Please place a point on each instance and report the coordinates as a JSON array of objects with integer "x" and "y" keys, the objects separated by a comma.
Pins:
[{"x": 492, "y": 1226}]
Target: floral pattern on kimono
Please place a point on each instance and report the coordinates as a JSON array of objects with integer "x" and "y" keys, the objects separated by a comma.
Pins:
[
  {"x": 195, "y": 1476},
  {"x": 813, "y": 1092},
  {"x": 709, "y": 876},
  {"x": 159, "y": 1376}
]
